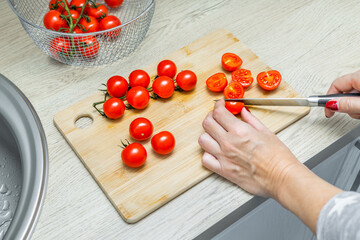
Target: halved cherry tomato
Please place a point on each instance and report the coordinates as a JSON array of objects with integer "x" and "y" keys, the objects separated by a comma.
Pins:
[
  {"x": 77, "y": 5},
  {"x": 186, "y": 80},
  {"x": 138, "y": 97},
  {"x": 97, "y": 11},
  {"x": 141, "y": 129},
  {"x": 269, "y": 80},
  {"x": 89, "y": 24},
  {"x": 217, "y": 82},
  {"x": 88, "y": 46},
  {"x": 231, "y": 61},
  {"x": 134, "y": 155},
  {"x": 114, "y": 108},
  {"x": 117, "y": 86},
  {"x": 53, "y": 21},
  {"x": 57, "y": 5},
  {"x": 60, "y": 47},
  {"x": 163, "y": 86},
  {"x": 139, "y": 78},
  {"x": 166, "y": 68},
  {"x": 242, "y": 76},
  {"x": 108, "y": 23},
  {"x": 74, "y": 15},
  {"x": 234, "y": 90},
  {"x": 234, "y": 107},
  {"x": 114, "y": 3},
  {"x": 163, "y": 143}
]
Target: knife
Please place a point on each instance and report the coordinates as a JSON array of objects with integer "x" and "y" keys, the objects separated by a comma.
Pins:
[{"x": 312, "y": 101}]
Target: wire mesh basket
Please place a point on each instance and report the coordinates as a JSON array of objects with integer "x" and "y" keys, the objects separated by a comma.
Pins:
[{"x": 107, "y": 46}]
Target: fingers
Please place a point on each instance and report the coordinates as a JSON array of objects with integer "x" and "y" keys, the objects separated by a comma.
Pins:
[
  {"x": 225, "y": 118},
  {"x": 213, "y": 128},
  {"x": 349, "y": 105},
  {"x": 247, "y": 117},
  {"x": 209, "y": 144},
  {"x": 346, "y": 83},
  {"x": 211, "y": 163}
]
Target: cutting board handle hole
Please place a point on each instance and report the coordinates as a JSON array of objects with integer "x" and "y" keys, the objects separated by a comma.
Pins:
[{"x": 83, "y": 121}]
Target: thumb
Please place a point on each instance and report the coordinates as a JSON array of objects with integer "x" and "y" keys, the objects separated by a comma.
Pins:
[{"x": 346, "y": 105}]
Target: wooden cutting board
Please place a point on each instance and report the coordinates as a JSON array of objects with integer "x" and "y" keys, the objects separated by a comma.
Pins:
[{"x": 137, "y": 192}]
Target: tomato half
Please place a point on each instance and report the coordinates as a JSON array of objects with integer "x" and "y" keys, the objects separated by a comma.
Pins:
[
  {"x": 231, "y": 61},
  {"x": 163, "y": 86},
  {"x": 114, "y": 108},
  {"x": 108, "y": 23},
  {"x": 186, "y": 80},
  {"x": 234, "y": 107},
  {"x": 114, "y": 3},
  {"x": 97, "y": 11},
  {"x": 134, "y": 155},
  {"x": 242, "y": 76},
  {"x": 269, "y": 80},
  {"x": 141, "y": 129},
  {"x": 234, "y": 90},
  {"x": 88, "y": 46},
  {"x": 138, "y": 97},
  {"x": 57, "y": 5},
  {"x": 117, "y": 86},
  {"x": 166, "y": 68},
  {"x": 217, "y": 82},
  {"x": 60, "y": 47},
  {"x": 163, "y": 143},
  {"x": 54, "y": 21},
  {"x": 89, "y": 24},
  {"x": 139, "y": 78}
]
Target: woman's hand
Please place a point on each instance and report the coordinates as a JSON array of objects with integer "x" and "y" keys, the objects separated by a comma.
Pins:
[{"x": 350, "y": 105}]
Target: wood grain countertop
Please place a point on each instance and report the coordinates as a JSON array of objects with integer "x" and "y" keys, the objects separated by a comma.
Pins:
[{"x": 311, "y": 42}]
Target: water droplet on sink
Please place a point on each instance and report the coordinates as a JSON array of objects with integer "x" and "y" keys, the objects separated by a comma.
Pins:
[
  {"x": 6, "y": 205},
  {"x": 3, "y": 189},
  {"x": 8, "y": 193}
]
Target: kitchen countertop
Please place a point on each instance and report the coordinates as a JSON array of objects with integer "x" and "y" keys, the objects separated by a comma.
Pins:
[{"x": 311, "y": 42}]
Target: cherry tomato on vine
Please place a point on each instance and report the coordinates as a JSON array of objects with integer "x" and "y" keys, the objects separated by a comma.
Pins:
[
  {"x": 186, "y": 80},
  {"x": 77, "y": 5},
  {"x": 114, "y": 3},
  {"x": 117, "y": 86},
  {"x": 141, "y": 129},
  {"x": 269, "y": 80},
  {"x": 57, "y": 5},
  {"x": 163, "y": 86},
  {"x": 217, "y": 82},
  {"x": 139, "y": 78},
  {"x": 60, "y": 47},
  {"x": 74, "y": 14},
  {"x": 134, "y": 155},
  {"x": 98, "y": 11},
  {"x": 88, "y": 46},
  {"x": 231, "y": 61},
  {"x": 89, "y": 24},
  {"x": 138, "y": 97},
  {"x": 234, "y": 90},
  {"x": 53, "y": 21},
  {"x": 114, "y": 108},
  {"x": 243, "y": 77},
  {"x": 166, "y": 68},
  {"x": 234, "y": 107},
  {"x": 163, "y": 143},
  {"x": 108, "y": 23}
]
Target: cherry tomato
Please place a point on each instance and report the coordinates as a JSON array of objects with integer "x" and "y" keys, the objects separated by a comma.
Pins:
[
  {"x": 134, "y": 155},
  {"x": 89, "y": 24},
  {"x": 77, "y": 5},
  {"x": 108, "y": 23},
  {"x": 117, "y": 86},
  {"x": 74, "y": 15},
  {"x": 114, "y": 3},
  {"x": 114, "y": 108},
  {"x": 163, "y": 143},
  {"x": 231, "y": 61},
  {"x": 98, "y": 11},
  {"x": 163, "y": 86},
  {"x": 234, "y": 90},
  {"x": 217, "y": 82},
  {"x": 57, "y": 5},
  {"x": 88, "y": 46},
  {"x": 243, "y": 77},
  {"x": 234, "y": 107},
  {"x": 141, "y": 129},
  {"x": 186, "y": 80},
  {"x": 138, "y": 97},
  {"x": 53, "y": 20},
  {"x": 139, "y": 78},
  {"x": 60, "y": 47},
  {"x": 269, "y": 80},
  {"x": 166, "y": 68}
]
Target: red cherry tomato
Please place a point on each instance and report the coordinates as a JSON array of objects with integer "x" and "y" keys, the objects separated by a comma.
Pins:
[
  {"x": 98, "y": 11},
  {"x": 138, "y": 97},
  {"x": 186, "y": 80},
  {"x": 167, "y": 68},
  {"x": 117, "y": 86},
  {"x": 88, "y": 46},
  {"x": 57, "y": 5},
  {"x": 89, "y": 24},
  {"x": 141, "y": 129},
  {"x": 139, "y": 78},
  {"x": 74, "y": 15},
  {"x": 108, "y": 23},
  {"x": 134, "y": 155},
  {"x": 114, "y": 108},
  {"x": 234, "y": 90},
  {"x": 163, "y": 86},
  {"x": 231, "y": 61},
  {"x": 60, "y": 47},
  {"x": 163, "y": 143},
  {"x": 269, "y": 80},
  {"x": 217, "y": 82},
  {"x": 234, "y": 107},
  {"x": 53, "y": 21},
  {"x": 77, "y": 5},
  {"x": 243, "y": 77},
  {"x": 114, "y": 3}
]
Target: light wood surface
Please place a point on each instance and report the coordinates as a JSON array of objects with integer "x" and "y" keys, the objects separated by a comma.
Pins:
[
  {"x": 311, "y": 42},
  {"x": 137, "y": 192}
]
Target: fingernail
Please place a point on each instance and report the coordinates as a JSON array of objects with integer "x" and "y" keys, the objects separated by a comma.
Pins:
[
  {"x": 247, "y": 109},
  {"x": 332, "y": 105}
]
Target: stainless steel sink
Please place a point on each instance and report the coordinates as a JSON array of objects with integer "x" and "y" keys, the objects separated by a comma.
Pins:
[{"x": 23, "y": 163}]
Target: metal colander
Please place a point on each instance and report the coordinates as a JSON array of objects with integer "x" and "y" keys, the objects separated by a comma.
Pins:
[{"x": 113, "y": 44}]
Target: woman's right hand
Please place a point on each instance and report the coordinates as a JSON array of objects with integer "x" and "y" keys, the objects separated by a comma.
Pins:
[{"x": 349, "y": 105}]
